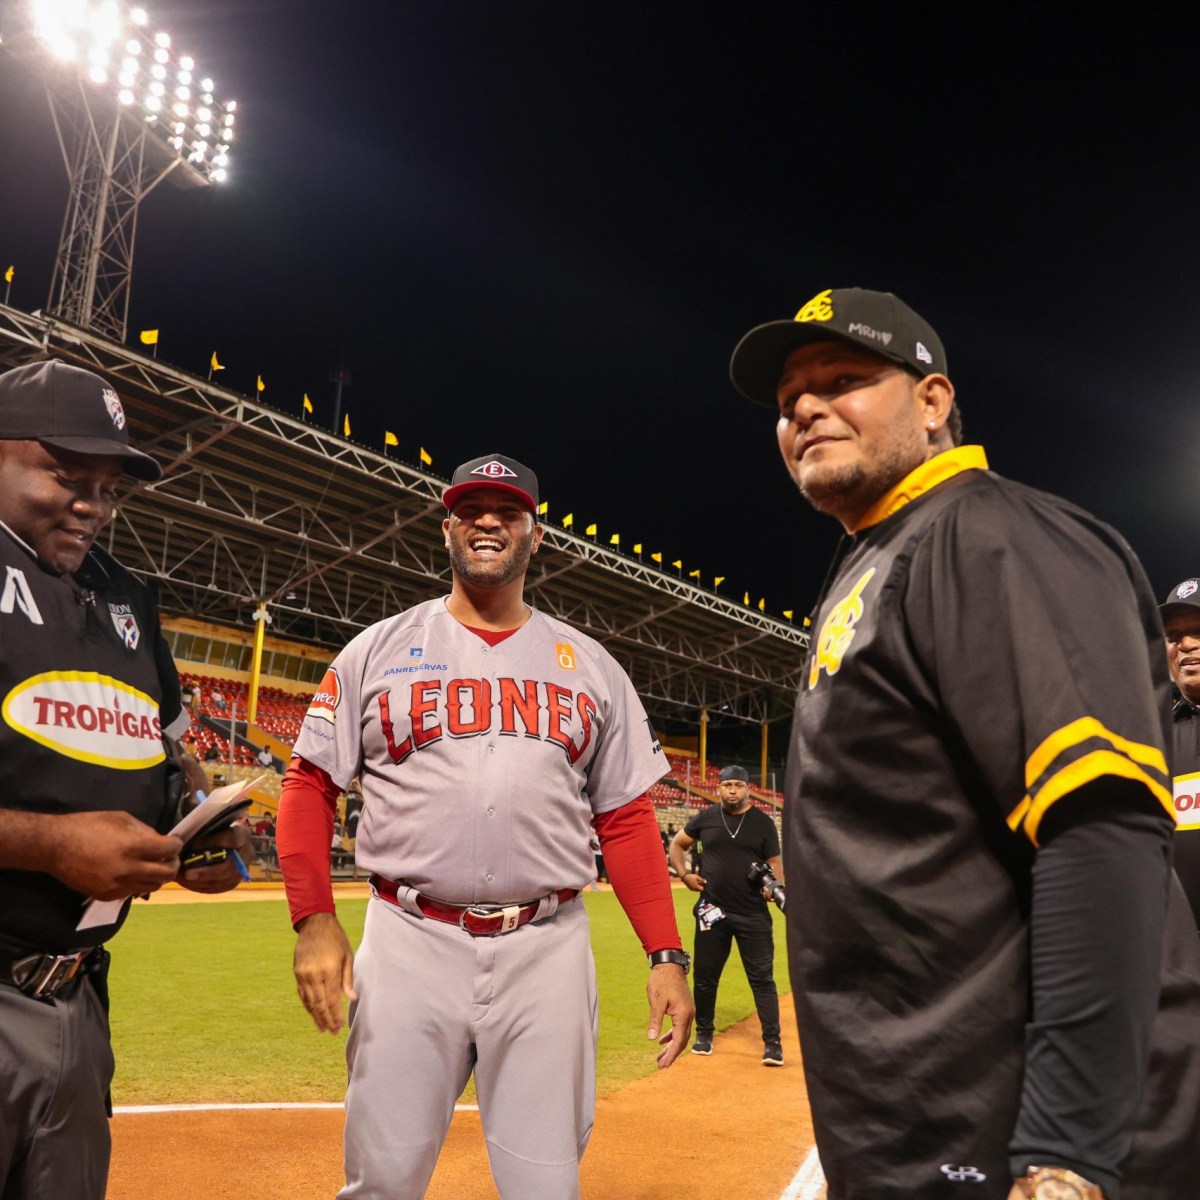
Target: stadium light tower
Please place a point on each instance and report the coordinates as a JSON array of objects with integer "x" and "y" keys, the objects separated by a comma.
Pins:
[{"x": 129, "y": 112}]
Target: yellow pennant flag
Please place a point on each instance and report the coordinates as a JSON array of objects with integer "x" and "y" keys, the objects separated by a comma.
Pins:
[
  {"x": 148, "y": 337},
  {"x": 262, "y": 387},
  {"x": 590, "y": 530},
  {"x": 746, "y": 599},
  {"x": 390, "y": 439},
  {"x": 807, "y": 622},
  {"x": 615, "y": 540},
  {"x": 637, "y": 547},
  {"x": 8, "y": 275},
  {"x": 789, "y": 613},
  {"x": 657, "y": 557},
  {"x": 720, "y": 579},
  {"x": 544, "y": 508},
  {"x": 678, "y": 564},
  {"x": 694, "y": 574},
  {"x": 346, "y": 425},
  {"x": 762, "y": 605},
  {"x": 216, "y": 366},
  {"x": 307, "y": 403},
  {"x": 568, "y": 520},
  {"x": 426, "y": 458}
]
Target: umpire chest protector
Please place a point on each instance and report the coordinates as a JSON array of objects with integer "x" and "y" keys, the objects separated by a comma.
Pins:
[{"x": 80, "y": 724}]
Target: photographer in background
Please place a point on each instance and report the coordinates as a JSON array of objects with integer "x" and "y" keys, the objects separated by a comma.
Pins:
[{"x": 734, "y": 836}]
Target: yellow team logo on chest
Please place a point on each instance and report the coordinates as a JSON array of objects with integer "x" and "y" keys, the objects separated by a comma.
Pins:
[
  {"x": 819, "y": 308},
  {"x": 837, "y": 632}
]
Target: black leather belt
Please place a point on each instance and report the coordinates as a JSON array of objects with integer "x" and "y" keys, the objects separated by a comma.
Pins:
[
  {"x": 479, "y": 920},
  {"x": 46, "y": 976}
]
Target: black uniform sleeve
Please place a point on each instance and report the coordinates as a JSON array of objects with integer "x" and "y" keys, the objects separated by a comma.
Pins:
[
  {"x": 174, "y": 720},
  {"x": 1039, "y": 637},
  {"x": 1099, "y": 902}
]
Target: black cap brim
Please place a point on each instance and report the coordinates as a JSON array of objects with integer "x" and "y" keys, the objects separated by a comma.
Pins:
[
  {"x": 133, "y": 462},
  {"x": 758, "y": 359}
]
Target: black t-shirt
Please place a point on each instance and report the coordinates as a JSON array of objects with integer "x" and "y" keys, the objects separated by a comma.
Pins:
[
  {"x": 87, "y": 689},
  {"x": 730, "y": 845},
  {"x": 983, "y": 651},
  {"x": 1185, "y": 767}
]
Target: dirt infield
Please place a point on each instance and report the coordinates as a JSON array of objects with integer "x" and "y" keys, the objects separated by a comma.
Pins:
[{"x": 648, "y": 1143}]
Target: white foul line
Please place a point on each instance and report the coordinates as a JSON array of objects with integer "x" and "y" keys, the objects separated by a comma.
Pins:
[
  {"x": 141, "y": 1109},
  {"x": 808, "y": 1182}
]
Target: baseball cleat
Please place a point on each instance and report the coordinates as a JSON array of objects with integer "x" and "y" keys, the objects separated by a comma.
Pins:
[
  {"x": 772, "y": 1055},
  {"x": 702, "y": 1044}
]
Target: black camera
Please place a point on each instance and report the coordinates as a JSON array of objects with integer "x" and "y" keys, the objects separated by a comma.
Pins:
[{"x": 762, "y": 877}]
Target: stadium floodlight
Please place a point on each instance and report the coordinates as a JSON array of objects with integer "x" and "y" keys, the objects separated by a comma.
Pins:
[{"x": 127, "y": 117}]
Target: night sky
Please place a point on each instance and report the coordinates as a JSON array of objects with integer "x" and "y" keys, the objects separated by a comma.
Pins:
[{"x": 541, "y": 228}]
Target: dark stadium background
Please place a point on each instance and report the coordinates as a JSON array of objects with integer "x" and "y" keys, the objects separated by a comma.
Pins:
[{"x": 540, "y": 228}]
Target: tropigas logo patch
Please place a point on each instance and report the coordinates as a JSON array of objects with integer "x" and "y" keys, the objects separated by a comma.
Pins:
[
  {"x": 86, "y": 716},
  {"x": 819, "y": 308},
  {"x": 837, "y": 632}
]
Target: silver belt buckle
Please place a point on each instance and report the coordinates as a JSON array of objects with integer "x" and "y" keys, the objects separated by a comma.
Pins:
[
  {"x": 509, "y": 917},
  {"x": 43, "y": 976}
]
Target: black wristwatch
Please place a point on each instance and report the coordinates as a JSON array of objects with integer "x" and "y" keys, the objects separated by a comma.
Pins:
[{"x": 680, "y": 957}]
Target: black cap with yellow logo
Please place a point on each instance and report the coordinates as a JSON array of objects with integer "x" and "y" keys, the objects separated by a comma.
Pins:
[{"x": 877, "y": 321}]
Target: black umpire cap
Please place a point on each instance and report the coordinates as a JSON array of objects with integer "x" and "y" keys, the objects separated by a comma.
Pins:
[
  {"x": 68, "y": 408},
  {"x": 1183, "y": 595},
  {"x": 738, "y": 773}
]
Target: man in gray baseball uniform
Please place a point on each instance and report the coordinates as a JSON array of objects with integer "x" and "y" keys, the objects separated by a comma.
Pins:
[{"x": 490, "y": 740}]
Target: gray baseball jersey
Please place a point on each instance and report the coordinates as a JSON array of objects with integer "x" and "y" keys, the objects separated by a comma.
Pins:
[{"x": 481, "y": 765}]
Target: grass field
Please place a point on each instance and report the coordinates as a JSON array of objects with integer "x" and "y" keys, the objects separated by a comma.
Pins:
[{"x": 204, "y": 1008}]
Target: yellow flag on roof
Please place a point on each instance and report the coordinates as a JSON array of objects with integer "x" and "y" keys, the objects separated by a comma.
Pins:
[
  {"x": 262, "y": 387},
  {"x": 656, "y": 557},
  {"x": 390, "y": 439},
  {"x": 543, "y": 509},
  {"x": 591, "y": 530},
  {"x": 216, "y": 366},
  {"x": 615, "y": 540},
  {"x": 307, "y": 403},
  {"x": 568, "y": 520},
  {"x": 426, "y": 457},
  {"x": 346, "y": 425},
  {"x": 637, "y": 547},
  {"x": 148, "y": 337},
  {"x": 720, "y": 579},
  {"x": 8, "y": 275}
]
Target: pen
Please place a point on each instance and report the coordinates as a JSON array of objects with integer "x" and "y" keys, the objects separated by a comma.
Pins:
[{"x": 241, "y": 866}]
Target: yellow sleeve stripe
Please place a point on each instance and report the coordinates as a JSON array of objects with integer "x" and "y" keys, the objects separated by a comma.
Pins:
[
  {"x": 1075, "y": 775},
  {"x": 1079, "y": 731}
]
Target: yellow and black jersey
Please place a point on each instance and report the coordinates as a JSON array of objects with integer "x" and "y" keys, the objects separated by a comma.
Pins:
[
  {"x": 1185, "y": 764},
  {"x": 984, "y": 650},
  {"x": 87, "y": 690}
]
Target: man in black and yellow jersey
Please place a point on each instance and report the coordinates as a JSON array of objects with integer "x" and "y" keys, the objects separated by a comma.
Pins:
[
  {"x": 997, "y": 979},
  {"x": 1181, "y": 624}
]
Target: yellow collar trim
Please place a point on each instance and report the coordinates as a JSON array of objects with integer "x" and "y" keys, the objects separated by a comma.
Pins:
[{"x": 924, "y": 479}]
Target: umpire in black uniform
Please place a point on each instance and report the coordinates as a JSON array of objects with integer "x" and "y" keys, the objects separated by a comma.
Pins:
[
  {"x": 89, "y": 704},
  {"x": 734, "y": 835}
]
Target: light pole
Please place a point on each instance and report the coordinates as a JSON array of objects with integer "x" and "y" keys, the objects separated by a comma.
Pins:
[{"x": 129, "y": 112}]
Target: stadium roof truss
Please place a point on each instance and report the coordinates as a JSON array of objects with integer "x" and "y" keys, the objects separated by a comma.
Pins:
[{"x": 255, "y": 506}]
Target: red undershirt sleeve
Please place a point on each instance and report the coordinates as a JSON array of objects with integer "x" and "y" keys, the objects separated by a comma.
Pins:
[
  {"x": 307, "y": 803},
  {"x": 633, "y": 859}
]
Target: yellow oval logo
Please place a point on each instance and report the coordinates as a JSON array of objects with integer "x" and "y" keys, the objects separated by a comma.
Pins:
[{"x": 87, "y": 716}]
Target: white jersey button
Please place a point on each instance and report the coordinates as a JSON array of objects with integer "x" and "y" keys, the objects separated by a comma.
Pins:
[
  {"x": 491, "y": 812},
  {"x": 490, "y": 877}
]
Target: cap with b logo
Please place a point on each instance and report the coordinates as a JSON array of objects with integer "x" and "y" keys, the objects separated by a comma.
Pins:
[
  {"x": 498, "y": 473},
  {"x": 67, "y": 408},
  {"x": 877, "y": 321}
]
